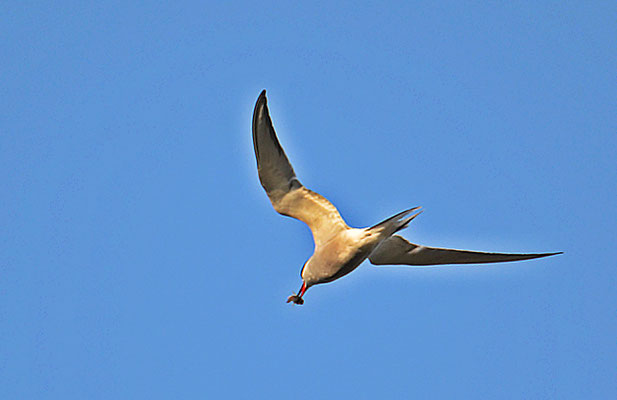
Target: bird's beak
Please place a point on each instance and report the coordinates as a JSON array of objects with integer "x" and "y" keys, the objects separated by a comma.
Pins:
[
  {"x": 302, "y": 289},
  {"x": 297, "y": 298}
]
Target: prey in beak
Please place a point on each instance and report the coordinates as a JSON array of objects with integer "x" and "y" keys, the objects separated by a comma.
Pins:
[{"x": 297, "y": 298}]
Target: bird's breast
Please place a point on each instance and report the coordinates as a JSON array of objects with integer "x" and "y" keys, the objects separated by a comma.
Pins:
[{"x": 340, "y": 256}]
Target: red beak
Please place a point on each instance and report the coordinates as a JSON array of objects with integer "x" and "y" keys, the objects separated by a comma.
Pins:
[
  {"x": 302, "y": 289},
  {"x": 297, "y": 298}
]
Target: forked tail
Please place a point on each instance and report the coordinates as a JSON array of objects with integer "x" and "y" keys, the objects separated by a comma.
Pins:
[{"x": 396, "y": 223}]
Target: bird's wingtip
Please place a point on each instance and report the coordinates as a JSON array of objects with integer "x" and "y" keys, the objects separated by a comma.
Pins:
[
  {"x": 551, "y": 254},
  {"x": 260, "y": 104},
  {"x": 261, "y": 100}
]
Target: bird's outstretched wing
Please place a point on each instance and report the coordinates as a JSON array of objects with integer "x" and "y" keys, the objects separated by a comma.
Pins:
[
  {"x": 398, "y": 251},
  {"x": 288, "y": 196}
]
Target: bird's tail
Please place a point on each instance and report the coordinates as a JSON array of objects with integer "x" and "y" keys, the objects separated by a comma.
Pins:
[{"x": 396, "y": 223}]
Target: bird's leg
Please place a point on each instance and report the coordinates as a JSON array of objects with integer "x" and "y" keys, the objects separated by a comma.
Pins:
[{"x": 297, "y": 298}]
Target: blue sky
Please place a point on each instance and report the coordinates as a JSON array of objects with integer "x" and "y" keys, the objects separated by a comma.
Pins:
[{"x": 140, "y": 257}]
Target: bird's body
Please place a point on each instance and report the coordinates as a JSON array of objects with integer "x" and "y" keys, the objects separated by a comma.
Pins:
[
  {"x": 340, "y": 249},
  {"x": 338, "y": 257}
]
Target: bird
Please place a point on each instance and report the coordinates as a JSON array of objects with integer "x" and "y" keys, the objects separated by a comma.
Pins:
[{"x": 340, "y": 249}]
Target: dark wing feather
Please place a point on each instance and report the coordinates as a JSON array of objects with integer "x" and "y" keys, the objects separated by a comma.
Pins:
[
  {"x": 275, "y": 171},
  {"x": 287, "y": 195},
  {"x": 398, "y": 251}
]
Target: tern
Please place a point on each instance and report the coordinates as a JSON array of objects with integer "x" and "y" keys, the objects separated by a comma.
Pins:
[{"x": 339, "y": 248}]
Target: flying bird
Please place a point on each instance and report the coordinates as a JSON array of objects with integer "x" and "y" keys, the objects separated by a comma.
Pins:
[{"x": 339, "y": 248}]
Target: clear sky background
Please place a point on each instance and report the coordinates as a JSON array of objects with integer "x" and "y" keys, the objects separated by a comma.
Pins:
[{"x": 140, "y": 257}]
